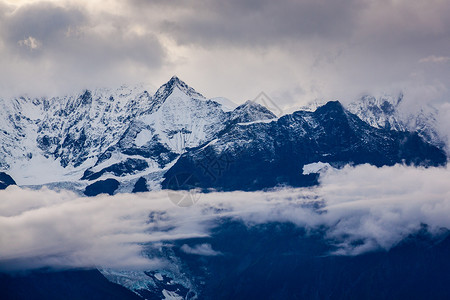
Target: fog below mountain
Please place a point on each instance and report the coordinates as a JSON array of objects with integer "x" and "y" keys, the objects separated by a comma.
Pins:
[{"x": 362, "y": 209}]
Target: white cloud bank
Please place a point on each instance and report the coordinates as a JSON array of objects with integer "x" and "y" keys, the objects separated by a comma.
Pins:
[{"x": 375, "y": 207}]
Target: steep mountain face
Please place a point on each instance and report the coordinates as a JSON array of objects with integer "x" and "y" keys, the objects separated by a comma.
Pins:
[
  {"x": 388, "y": 112},
  {"x": 179, "y": 119},
  {"x": 260, "y": 155}
]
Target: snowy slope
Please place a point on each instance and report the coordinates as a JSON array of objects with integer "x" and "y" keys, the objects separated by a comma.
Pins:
[
  {"x": 180, "y": 119},
  {"x": 64, "y": 134}
]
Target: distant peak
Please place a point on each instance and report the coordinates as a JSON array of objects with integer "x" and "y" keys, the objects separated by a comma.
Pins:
[
  {"x": 251, "y": 104},
  {"x": 167, "y": 89},
  {"x": 251, "y": 111},
  {"x": 174, "y": 78},
  {"x": 175, "y": 81},
  {"x": 331, "y": 106},
  {"x": 334, "y": 104},
  {"x": 391, "y": 99}
]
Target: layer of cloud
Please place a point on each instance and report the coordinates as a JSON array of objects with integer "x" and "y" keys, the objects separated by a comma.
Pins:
[
  {"x": 364, "y": 208},
  {"x": 378, "y": 207}
]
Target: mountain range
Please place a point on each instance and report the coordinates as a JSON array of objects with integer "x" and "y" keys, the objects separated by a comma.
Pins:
[{"x": 132, "y": 140}]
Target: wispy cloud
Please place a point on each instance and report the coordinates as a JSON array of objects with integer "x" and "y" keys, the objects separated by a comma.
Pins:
[
  {"x": 435, "y": 59},
  {"x": 30, "y": 42},
  {"x": 201, "y": 249}
]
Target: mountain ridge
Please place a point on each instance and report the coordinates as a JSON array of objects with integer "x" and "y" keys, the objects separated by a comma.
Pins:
[
  {"x": 128, "y": 136},
  {"x": 266, "y": 155}
]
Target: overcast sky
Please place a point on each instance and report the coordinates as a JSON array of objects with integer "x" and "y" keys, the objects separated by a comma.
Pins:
[{"x": 294, "y": 50}]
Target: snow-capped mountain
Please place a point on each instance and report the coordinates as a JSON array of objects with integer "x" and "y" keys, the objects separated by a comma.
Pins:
[
  {"x": 123, "y": 135},
  {"x": 389, "y": 112},
  {"x": 379, "y": 112},
  {"x": 65, "y": 134},
  {"x": 264, "y": 154},
  {"x": 128, "y": 140},
  {"x": 179, "y": 119}
]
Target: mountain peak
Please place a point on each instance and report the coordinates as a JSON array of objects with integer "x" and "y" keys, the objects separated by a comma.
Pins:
[
  {"x": 167, "y": 89},
  {"x": 385, "y": 99},
  {"x": 331, "y": 106},
  {"x": 175, "y": 78},
  {"x": 251, "y": 111}
]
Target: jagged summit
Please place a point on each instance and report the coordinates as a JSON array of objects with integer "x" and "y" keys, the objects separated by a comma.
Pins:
[
  {"x": 323, "y": 105},
  {"x": 381, "y": 112},
  {"x": 385, "y": 102},
  {"x": 168, "y": 88},
  {"x": 332, "y": 112},
  {"x": 251, "y": 111},
  {"x": 332, "y": 105},
  {"x": 393, "y": 113}
]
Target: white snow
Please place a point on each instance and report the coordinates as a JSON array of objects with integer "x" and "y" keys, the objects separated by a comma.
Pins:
[
  {"x": 143, "y": 137},
  {"x": 393, "y": 112},
  {"x": 24, "y": 120},
  {"x": 41, "y": 170},
  {"x": 132, "y": 280},
  {"x": 315, "y": 167},
  {"x": 168, "y": 295},
  {"x": 227, "y": 104},
  {"x": 183, "y": 121}
]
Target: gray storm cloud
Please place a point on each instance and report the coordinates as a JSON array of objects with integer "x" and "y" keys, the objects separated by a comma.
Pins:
[
  {"x": 52, "y": 48},
  {"x": 364, "y": 208},
  {"x": 294, "y": 50}
]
